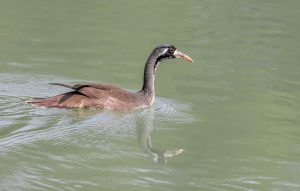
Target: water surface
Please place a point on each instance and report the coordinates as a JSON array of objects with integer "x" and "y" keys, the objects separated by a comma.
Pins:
[{"x": 228, "y": 121}]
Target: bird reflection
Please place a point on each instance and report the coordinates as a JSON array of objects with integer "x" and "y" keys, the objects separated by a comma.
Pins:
[
  {"x": 144, "y": 130},
  {"x": 142, "y": 119}
]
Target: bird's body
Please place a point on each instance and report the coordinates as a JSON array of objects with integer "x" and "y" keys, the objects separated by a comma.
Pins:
[
  {"x": 95, "y": 96},
  {"x": 111, "y": 97}
]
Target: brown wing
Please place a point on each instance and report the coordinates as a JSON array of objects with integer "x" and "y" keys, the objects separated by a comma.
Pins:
[
  {"x": 90, "y": 95},
  {"x": 91, "y": 90},
  {"x": 66, "y": 100}
]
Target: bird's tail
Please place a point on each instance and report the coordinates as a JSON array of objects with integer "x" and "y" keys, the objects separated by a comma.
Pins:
[{"x": 43, "y": 102}]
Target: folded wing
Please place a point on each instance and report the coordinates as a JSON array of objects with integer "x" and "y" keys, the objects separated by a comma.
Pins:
[{"x": 84, "y": 95}]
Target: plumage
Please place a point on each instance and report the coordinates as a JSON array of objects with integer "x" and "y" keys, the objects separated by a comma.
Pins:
[{"x": 108, "y": 96}]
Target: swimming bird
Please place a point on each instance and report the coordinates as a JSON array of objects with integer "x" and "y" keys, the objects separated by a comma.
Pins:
[{"x": 107, "y": 96}]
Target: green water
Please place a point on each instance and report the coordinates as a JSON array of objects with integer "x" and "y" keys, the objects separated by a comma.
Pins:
[{"x": 235, "y": 111}]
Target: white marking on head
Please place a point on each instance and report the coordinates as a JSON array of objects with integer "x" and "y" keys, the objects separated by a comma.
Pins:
[{"x": 165, "y": 51}]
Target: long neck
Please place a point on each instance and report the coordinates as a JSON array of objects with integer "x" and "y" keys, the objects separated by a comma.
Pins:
[{"x": 149, "y": 75}]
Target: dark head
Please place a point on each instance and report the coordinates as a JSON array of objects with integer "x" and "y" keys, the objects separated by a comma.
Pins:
[
  {"x": 164, "y": 51},
  {"x": 167, "y": 51}
]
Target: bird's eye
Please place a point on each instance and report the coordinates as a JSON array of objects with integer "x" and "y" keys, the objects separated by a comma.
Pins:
[{"x": 172, "y": 50}]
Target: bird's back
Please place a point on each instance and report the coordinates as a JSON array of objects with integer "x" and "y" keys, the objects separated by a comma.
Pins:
[{"x": 91, "y": 95}]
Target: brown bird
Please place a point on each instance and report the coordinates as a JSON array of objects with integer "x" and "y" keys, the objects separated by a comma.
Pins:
[{"x": 111, "y": 97}]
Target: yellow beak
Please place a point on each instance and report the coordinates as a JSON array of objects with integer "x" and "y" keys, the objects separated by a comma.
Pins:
[{"x": 183, "y": 56}]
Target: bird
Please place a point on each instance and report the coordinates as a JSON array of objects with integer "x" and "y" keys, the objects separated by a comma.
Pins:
[{"x": 111, "y": 97}]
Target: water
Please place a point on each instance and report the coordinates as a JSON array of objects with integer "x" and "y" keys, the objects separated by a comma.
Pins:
[{"x": 228, "y": 121}]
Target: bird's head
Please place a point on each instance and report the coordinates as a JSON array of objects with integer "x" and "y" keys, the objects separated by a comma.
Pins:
[{"x": 167, "y": 51}]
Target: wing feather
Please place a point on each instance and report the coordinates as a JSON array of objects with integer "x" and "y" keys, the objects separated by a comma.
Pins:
[{"x": 91, "y": 90}]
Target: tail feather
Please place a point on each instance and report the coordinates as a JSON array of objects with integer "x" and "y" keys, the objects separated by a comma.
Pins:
[
  {"x": 43, "y": 102},
  {"x": 66, "y": 100}
]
